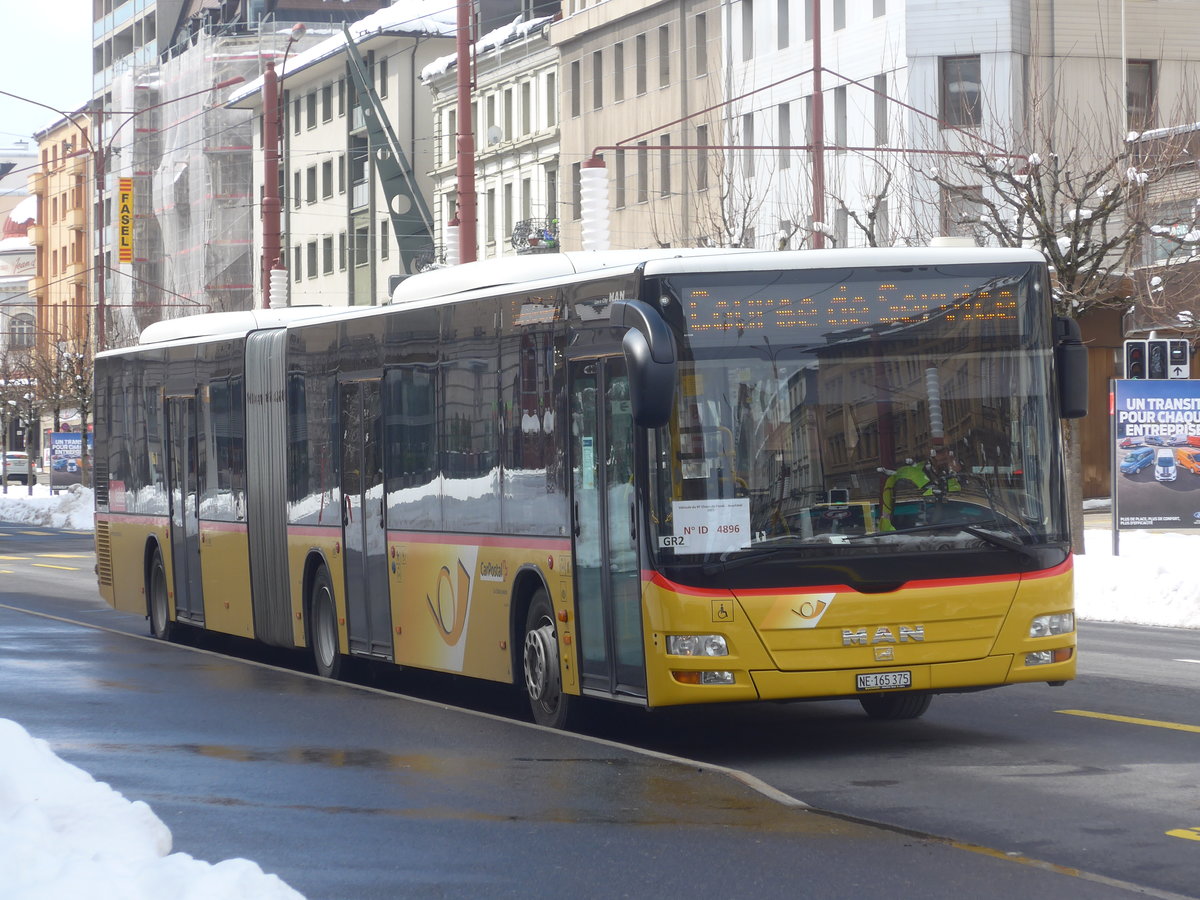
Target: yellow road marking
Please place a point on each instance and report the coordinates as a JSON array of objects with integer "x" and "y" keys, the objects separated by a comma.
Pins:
[
  {"x": 1130, "y": 720},
  {"x": 48, "y": 566},
  {"x": 1188, "y": 834},
  {"x": 37, "y": 533},
  {"x": 15, "y": 558}
]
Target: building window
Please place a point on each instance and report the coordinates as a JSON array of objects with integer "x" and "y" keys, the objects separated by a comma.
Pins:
[
  {"x": 664, "y": 56},
  {"x": 296, "y": 116},
  {"x": 327, "y": 103},
  {"x": 575, "y": 88},
  {"x": 961, "y": 92},
  {"x": 881, "y": 111},
  {"x": 840, "y": 118},
  {"x": 342, "y": 251},
  {"x": 643, "y": 175},
  {"x": 310, "y": 195},
  {"x": 311, "y": 109},
  {"x": 1140, "y": 93},
  {"x": 747, "y": 29},
  {"x": 382, "y": 66},
  {"x": 879, "y": 9},
  {"x": 341, "y": 96},
  {"x": 597, "y": 80},
  {"x": 783, "y": 23},
  {"x": 619, "y": 72},
  {"x": 785, "y": 135},
  {"x": 489, "y": 217},
  {"x": 808, "y": 22},
  {"x": 960, "y": 210},
  {"x": 327, "y": 178},
  {"x": 385, "y": 240},
  {"x": 296, "y": 189},
  {"x": 312, "y": 259},
  {"x": 551, "y": 100},
  {"x": 702, "y": 158},
  {"x": 747, "y": 144},
  {"x": 362, "y": 246},
  {"x": 639, "y": 61},
  {"x": 619, "y": 179},
  {"x": 526, "y": 107},
  {"x": 342, "y": 173},
  {"x": 23, "y": 330},
  {"x": 327, "y": 256},
  {"x": 839, "y": 14},
  {"x": 701, "y": 45},
  {"x": 297, "y": 269},
  {"x": 664, "y": 165},
  {"x": 576, "y": 192}
]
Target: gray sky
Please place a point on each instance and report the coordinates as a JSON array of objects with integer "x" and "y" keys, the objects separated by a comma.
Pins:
[{"x": 45, "y": 55}]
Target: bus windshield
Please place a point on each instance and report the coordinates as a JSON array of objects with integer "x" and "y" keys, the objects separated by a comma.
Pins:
[{"x": 862, "y": 411}]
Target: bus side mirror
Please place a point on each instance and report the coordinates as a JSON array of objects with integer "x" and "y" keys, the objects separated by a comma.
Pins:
[
  {"x": 649, "y": 357},
  {"x": 1071, "y": 365}
]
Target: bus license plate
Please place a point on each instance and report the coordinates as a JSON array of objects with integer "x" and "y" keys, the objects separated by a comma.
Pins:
[{"x": 882, "y": 681}]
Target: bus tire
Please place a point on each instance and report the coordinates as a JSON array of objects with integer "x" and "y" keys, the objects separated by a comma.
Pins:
[
  {"x": 903, "y": 705},
  {"x": 161, "y": 625},
  {"x": 543, "y": 676},
  {"x": 323, "y": 632}
]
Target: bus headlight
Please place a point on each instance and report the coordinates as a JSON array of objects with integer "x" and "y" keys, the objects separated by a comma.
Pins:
[
  {"x": 1045, "y": 626},
  {"x": 697, "y": 645}
]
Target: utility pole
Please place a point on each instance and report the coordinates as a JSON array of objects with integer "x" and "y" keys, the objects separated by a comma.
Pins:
[
  {"x": 465, "y": 143},
  {"x": 271, "y": 206}
]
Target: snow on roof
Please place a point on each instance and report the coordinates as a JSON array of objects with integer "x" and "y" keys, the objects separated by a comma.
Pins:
[
  {"x": 414, "y": 17},
  {"x": 497, "y": 37},
  {"x": 25, "y": 211}
]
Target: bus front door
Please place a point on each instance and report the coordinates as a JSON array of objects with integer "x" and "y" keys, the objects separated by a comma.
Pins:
[
  {"x": 607, "y": 576},
  {"x": 184, "y": 489},
  {"x": 364, "y": 529}
]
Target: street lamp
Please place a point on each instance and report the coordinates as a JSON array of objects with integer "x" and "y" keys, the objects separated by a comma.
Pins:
[{"x": 100, "y": 153}]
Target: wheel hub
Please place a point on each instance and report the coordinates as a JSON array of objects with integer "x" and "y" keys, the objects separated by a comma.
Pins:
[{"x": 541, "y": 663}]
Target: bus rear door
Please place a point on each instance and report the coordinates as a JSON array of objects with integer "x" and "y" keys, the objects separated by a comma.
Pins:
[
  {"x": 607, "y": 575},
  {"x": 184, "y": 488},
  {"x": 364, "y": 531}
]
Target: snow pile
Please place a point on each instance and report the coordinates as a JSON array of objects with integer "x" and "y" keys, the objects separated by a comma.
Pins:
[{"x": 64, "y": 834}]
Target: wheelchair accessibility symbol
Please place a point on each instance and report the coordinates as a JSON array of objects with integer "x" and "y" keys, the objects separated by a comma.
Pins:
[{"x": 722, "y": 610}]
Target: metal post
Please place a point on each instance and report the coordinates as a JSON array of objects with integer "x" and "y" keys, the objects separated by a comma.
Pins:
[
  {"x": 271, "y": 206},
  {"x": 818, "y": 129},
  {"x": 465, "y": 142}
]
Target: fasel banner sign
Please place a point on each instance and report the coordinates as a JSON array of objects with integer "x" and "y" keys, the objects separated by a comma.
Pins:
[
  {"x": 125, "y": 220},
  {"x": 1156, "y": 454}
]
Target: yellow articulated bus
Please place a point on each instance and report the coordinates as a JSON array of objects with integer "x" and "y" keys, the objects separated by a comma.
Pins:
[{"x": 654, "y": 477}]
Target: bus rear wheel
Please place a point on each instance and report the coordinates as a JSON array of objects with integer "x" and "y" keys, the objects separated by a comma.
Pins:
[
  {"x": 161, "y": 625},
  {"x": 543, "y": 677},
  {"x": 323, "y": 631},
  {"x": 904, "y": 705}
]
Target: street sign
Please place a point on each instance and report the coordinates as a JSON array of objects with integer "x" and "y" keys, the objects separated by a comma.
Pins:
[{"x": 1178, "y": 358}]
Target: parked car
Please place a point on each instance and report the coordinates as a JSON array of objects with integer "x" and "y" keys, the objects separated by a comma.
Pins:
[
  {"x": 1188, "y": 458},
  {"x": 1164, "y": 465},
  {"x": 19, "y": 467},
  {"x": 1137, "y": 460},
  {"x": 1129, "y": 443}
]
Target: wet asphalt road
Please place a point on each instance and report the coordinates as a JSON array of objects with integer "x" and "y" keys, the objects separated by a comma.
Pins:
[{"x": 346, "y": 791}]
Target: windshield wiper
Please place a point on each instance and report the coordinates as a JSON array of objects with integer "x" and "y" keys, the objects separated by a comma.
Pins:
[{"x": 991, "y": 537}]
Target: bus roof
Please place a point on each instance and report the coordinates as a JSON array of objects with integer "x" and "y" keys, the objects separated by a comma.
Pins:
[
  {"x": 532, "y": 269},
  {"x": 230, "y": 323}
]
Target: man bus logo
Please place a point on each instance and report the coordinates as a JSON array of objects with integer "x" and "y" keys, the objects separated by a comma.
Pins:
[
  {"x": 450, "y": 609},
  {"x": 883, "y": 635}
]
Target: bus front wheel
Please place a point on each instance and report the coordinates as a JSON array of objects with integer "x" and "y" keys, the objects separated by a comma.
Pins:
[
  {"x": 161, "y": 625},
  {"x": 905, "y": 705},
  {"x": 323, "y": 635},
  {"x": 543, "y": 677}
]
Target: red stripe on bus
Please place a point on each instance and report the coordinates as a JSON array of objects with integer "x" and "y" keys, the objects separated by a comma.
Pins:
[{"x": 515, "y": 541}]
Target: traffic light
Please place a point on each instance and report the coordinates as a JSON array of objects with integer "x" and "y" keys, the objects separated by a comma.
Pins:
[
  {"x": 1156, "y": 354},
  {"x": 1135, "y": 359}
]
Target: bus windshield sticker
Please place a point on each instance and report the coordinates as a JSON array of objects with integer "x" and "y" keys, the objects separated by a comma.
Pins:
[{"x": 711, "y": 526}]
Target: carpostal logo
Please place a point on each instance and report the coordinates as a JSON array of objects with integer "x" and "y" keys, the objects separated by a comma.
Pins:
[{"x": 491, "y": 571}]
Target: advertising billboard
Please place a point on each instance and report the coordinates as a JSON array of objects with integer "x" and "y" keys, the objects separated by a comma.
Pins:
[
  {"x": 1156, "y": 458},
  {"x": 66, "y": 458}
]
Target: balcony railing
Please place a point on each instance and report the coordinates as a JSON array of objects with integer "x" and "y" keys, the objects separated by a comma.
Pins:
[
  {"x": 360, "y": 194},
  {"x": 37, "y": 235},
  {"x": 535, "y": 236}
]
